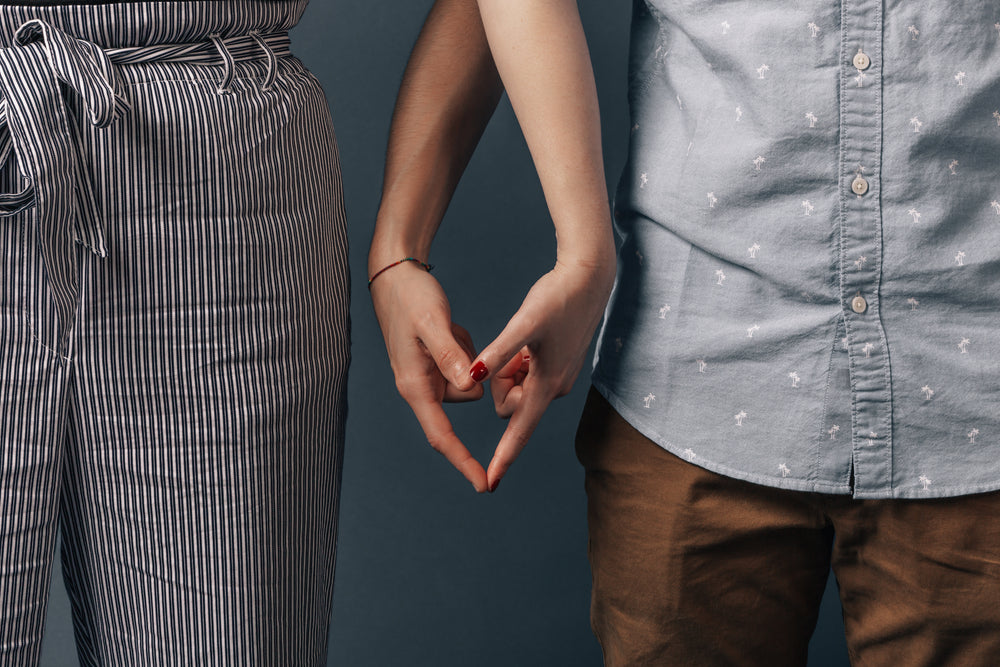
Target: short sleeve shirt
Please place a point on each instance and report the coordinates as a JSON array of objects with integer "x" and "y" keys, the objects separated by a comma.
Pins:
[{"x": 809, "y": 281}]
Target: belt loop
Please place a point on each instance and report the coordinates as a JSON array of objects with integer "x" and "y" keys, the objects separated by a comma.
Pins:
[
  {"x": 272, "y": 61},
  {"x": 228, "y": 64}
]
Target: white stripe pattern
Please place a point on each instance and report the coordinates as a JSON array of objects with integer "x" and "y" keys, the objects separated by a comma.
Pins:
[{"x": 178, "y": 408}]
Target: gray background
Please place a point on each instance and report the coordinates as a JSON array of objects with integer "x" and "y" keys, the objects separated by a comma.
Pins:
[{"x": 428, "y": 573}]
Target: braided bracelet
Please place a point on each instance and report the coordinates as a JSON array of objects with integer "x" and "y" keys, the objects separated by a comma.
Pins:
[{"x": 427, "y": 267}]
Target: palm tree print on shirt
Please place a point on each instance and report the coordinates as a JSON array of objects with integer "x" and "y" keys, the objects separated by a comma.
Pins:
[
  {"x": 971, "y": 435},
  {"x": 867, "y": 349},
  {"x": 739, "y": 417},
  {"x": 963, "y": 345},
  {"x": 750, "y": 332},
  {"x": 960, "y": 78},
  {"x": 795, "y": 379},
  {"x": 753, "y": 250},
  {"x": 702, "y": 365},
  {"x": 927, "y": 392},
  {"x": 913, "y": 303},
  {"x": 720, "y": 275},
  {"x": 915, "y": 215},
  {"x": 689, "y": 454},
  {"x": 758, "y": 161},
  {"x": 995, "y": 205},
  {"x": 953, "y": 167},
  {"x": 807, "y": 207},
  {"x": 913, "y": 32},
  {"x": 763, "y": 69},
  {"x": 813, "y": 28},
  {"x": 712, "y": 199},
  {"x": 833, "y": 431},
  {"x": 664, "y": 309},
  {"x": 648, "y": 399},
  {"x": 785, "y": 471},
  {"x": 960, "y": 258},
  {"x": 916, "y": 124},
  {"x": 925, "y": 481},
  {"x": 811, "y": 117}
]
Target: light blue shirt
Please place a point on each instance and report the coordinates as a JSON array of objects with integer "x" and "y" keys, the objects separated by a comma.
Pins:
[{"x": 808, "y": 292}]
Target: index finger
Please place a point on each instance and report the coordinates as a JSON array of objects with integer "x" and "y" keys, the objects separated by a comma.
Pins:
[
  {"x": 530, "y": 408},
  {"x": 441, "y": 436}
]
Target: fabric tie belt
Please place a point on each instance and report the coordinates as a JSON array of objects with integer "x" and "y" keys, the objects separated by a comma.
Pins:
[{"x": 36, "y": 125}]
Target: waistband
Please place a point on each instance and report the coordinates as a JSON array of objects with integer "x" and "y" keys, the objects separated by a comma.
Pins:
[
  {"x": 35, "y": 124},
  {"x": 152, "y": 22}
]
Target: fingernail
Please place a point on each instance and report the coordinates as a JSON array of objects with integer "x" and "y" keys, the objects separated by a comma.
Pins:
[
  {"x": 494, "y": 485},
  {"x": 479, "y": 371}
]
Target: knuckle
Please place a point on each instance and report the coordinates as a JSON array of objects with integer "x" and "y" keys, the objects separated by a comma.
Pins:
[
  {"x": 447, "y": 357},
  {"x": 408, "y": 386},
  {"x": 436, "y": 443}
]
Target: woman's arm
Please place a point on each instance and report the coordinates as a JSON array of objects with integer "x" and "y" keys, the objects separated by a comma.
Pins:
[
  {"x": 541, "y": 54},
  {"x": 449, "y": 92}
]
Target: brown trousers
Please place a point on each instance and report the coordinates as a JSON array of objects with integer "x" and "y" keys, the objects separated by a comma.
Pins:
[{"x": 694, "y": 568}]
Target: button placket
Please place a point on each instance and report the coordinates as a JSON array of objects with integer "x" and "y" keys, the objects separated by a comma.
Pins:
[{"x": 861, "y": 247}]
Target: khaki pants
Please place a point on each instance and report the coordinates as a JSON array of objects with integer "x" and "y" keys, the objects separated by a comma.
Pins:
[{"x": 695, "y": 568}]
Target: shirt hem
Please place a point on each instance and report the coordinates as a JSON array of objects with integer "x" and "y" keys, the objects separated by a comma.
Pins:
[{"x": 788, "y": 483}]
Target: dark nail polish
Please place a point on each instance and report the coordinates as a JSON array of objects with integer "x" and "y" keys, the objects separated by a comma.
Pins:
[
  {"x": 479, "y": 371},
  {"x": 493, "y": 487}
]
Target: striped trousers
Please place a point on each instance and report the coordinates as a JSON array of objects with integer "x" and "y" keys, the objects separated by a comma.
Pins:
[{"x": 173, "y": 333}]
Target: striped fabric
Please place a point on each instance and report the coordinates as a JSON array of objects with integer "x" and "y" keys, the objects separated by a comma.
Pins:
[{"x": 173, "y": 333}]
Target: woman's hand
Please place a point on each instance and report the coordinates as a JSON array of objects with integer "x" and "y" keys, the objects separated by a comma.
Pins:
[
  {"x": 430, "y": 358},
  {"x": 538, "y": 355}
]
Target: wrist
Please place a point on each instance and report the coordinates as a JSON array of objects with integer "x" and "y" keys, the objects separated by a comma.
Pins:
[
  {"x": 596, "y": 256},
  {"x": 387, "y": 249},
  {"x": 399, "y": 262}
]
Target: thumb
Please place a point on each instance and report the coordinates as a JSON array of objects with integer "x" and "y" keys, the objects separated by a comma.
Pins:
[
  {"x": 450, "y": 356},
  {"x": 504, "y": 347}
]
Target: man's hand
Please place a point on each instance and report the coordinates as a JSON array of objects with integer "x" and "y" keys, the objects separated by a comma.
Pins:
[{"x": 430, "y": 358}]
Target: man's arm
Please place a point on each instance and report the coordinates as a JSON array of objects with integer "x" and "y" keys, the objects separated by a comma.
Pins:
[{"x": 449, "y": 92}]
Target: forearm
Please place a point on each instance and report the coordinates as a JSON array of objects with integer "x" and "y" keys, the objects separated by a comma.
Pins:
[
  {"x": 449, "y": 92},
  {"x": 541, "y": 54}
]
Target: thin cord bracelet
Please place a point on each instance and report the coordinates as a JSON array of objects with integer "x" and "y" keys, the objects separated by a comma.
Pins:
[{"x": 427, "y": 267}]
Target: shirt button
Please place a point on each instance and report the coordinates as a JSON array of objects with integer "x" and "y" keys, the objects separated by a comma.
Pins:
[
  {"x": 858, "y": 304},
  {"x": 861, "y": 60},
  {"x": 859, "y": 186}
]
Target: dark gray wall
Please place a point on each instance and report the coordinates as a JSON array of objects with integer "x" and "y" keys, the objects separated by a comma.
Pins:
[{"x": 428, "y": 573}]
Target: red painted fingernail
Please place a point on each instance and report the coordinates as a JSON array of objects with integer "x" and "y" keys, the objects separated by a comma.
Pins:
[
  {"x": 479, "y": 371},
  {"x": 494, "y": 485}
]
